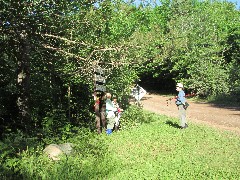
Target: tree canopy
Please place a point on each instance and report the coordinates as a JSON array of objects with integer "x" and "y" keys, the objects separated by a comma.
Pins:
[{"x": 50, "y": 49}]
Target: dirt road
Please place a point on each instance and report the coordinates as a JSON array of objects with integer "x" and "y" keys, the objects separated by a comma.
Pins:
[{"x": 225, "y": 118}]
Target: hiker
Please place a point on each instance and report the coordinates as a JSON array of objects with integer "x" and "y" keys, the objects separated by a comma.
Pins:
[
  {"x": 117, "y": 113},
  {"x": 100, "y": 108},
  {"x": 180, "y": 102},
  {"x": 110, "y": 114}
]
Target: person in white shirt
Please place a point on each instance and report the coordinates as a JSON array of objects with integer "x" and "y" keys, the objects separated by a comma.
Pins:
[{"x": 110, "y": 114}]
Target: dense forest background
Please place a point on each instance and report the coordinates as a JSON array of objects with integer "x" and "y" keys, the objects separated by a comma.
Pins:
[{"x": 50, "y": 49}]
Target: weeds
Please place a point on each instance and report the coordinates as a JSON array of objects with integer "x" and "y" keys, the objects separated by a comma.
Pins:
[{"x": 153, "y": 149}]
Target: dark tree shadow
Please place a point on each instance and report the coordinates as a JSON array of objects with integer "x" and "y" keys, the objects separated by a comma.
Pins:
[{"x": 173, "y": 124}]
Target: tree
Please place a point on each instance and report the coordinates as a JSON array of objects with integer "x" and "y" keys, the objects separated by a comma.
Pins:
[
  {"x": 60, "y": 61},
  {"x": 192, "y": 48}
]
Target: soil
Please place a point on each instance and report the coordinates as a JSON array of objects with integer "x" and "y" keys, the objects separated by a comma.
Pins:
[{"x": 217, "y": 116}]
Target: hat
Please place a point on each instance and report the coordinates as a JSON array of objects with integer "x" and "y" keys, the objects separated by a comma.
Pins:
[{"x": 180, "y": 85}]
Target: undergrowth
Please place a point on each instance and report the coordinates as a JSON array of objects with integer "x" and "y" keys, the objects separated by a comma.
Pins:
[{"x": 148, "y": 146}]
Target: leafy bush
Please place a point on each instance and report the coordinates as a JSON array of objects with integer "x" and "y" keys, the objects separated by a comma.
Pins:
[
  {"x": 134, "y": 116},
  {"x": 10, "y": 149},
  {"x": 225, "y": 100}
]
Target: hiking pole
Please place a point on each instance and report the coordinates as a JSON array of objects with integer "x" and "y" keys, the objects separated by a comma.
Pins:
[{"x": 170, "y": 99}]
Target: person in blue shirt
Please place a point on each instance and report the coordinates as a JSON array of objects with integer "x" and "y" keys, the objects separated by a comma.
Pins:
[{"x": 180, "y": 102}]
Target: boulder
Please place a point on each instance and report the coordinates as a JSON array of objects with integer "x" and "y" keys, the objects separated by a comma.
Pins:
[
  {"x": 67, "y": 148},
  {"x": 53, "y": 151}
]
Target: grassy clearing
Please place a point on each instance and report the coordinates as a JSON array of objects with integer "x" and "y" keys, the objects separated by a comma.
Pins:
[
  {"x": 158, "y": 150},
  {"x": 154, "y": 150}
]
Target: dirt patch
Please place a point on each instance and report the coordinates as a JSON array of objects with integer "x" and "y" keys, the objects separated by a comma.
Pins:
[{"x": 225, "y": 118}]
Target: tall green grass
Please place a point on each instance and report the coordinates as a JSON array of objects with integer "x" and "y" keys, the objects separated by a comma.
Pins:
[
  {"x": 160, "y": 151},
  {"x": 154, "y": 149}
]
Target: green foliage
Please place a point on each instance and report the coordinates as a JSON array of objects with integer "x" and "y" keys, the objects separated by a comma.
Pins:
[
  {"x": 120, "y": 81},
  {"x": 189, "y": 42},
  {"x": 208, "y": 79},
  {"x": 160, "y": 151},
  {"x": 10, "y": 149},
  {"x": 233, "y": 57},
  {"x": 198, "y": 43},
  {"x": 133, "y": 117},
  {"x": 59, "y": 44},
  {"x": 230, "y": 100},
  {"x": 31, "y": 163},
  {"x": 154, "y": 150},
  {"x": 52, "y": 124}
]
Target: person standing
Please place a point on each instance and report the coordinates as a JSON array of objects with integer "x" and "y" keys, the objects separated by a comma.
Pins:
[
  {"x": 100, "y": 109},
  {"x": 117, "y": 113},
  {"x": 180, "y": 102},
  {"x": 110, "y": 114}
]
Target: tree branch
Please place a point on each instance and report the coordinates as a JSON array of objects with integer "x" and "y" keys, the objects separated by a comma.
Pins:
[
  {"x": 65, "y": 39},
  {"x": 64, "y": 52}
]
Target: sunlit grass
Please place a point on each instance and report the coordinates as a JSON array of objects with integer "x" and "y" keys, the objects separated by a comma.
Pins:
[
  {"x": 159, "y": 151},
  {"x": 154, "y": 150}
]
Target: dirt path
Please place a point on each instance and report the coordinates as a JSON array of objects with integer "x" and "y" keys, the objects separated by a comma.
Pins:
[{"x": 225, "y": 118}]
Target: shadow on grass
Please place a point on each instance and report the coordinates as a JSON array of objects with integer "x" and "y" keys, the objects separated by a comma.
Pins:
[{"x": 172, "y": 124}]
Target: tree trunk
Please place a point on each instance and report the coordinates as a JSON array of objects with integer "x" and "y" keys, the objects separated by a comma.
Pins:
[{"x": 23, "y": 84}]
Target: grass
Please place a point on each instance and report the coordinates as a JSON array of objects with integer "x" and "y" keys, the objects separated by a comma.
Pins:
[
  {"x": 154, "y": 150},
  {"x": 161, "y": 151}
]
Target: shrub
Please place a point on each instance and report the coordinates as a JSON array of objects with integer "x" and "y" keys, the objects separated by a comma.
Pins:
[{"x": 134, "y": 116}]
